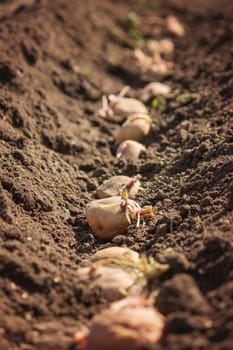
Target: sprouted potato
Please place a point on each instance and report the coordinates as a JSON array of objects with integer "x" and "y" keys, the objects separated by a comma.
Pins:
[
  {"x": 154, "y": 89},
  {"x": 130, "y": 324},
  {"x": 130, "y": 150},
  {"x": 113, "y": 281},
  {"x": 111, "y": 216},
  {"x": 136, "y": 127},
  {"x": 128, "y": 105},
  {"x": 120, "y": 105},
  {"x": 112, "y": 186},
  {"x": 153, "y": 64},
  {"x": 118, "y": 272},
  {"x": 120, "y": 253},
  {"x": 164, "y": 46}
]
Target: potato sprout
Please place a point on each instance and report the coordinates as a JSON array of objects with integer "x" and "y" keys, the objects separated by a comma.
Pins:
[{"x": 174, "y": 26}]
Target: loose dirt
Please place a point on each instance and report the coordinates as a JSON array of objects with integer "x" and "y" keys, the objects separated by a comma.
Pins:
[{"x": 57, "y": 59}]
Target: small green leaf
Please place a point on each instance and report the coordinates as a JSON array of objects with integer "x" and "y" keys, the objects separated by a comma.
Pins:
[
  {"x": 157, "y": 103},
  {"x": 132, "y": 29}
]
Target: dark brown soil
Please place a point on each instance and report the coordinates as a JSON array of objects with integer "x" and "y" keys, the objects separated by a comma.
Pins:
[{"x": 55, "y": 151}]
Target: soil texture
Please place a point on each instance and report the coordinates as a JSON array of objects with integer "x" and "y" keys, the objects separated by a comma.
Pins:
[{"x": 57, "y": 60}]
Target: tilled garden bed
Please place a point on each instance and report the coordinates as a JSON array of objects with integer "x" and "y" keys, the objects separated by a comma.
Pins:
[{"x": 58, "y": 58}]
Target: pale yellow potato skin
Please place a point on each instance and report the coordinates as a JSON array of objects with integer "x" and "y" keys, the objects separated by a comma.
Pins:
[
  {"x": 136, "y": 128},
  {"x": 130, "y": 150},
  {"x": 114, "y": 282},
  {"x": 127, "y": 105},
  {"x": 125, "y": 329},
  {"x": 154, "y": 89},
  {"x": 106, "y": 217},
  {"x": 112, "y": 187},
  {"x": 119, "y": 253}
]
